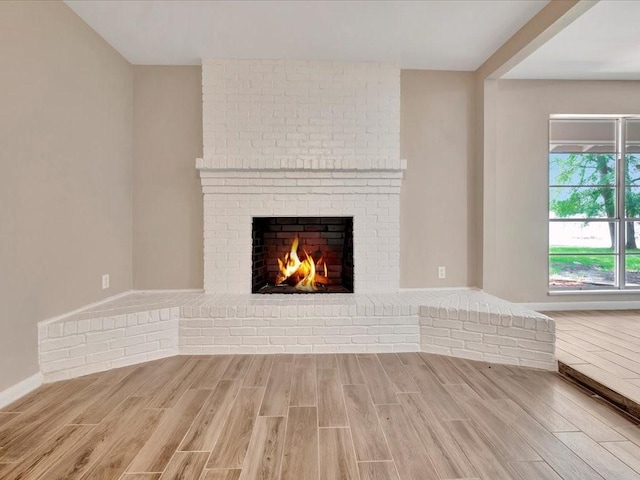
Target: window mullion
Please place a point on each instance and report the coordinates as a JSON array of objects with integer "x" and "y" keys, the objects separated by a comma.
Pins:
[{"x": 621, "y": 198}]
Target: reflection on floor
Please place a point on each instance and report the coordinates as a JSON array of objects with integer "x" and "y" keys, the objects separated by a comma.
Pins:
[{"x": 602, "y": 350}]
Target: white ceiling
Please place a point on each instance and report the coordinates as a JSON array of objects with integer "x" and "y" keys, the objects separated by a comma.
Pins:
[
  {"x": 439, "y": 35},
  {"x": 602, "y": 44}
]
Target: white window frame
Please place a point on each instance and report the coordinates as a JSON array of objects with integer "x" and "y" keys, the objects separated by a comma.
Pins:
[{"x": 620, "y": 219}]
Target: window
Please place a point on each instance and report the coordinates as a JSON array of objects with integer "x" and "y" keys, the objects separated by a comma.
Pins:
[{"x": 594, "y": 203}]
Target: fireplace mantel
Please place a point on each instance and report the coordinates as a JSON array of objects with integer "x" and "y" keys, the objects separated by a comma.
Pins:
[{"x": 303, "y": 165}]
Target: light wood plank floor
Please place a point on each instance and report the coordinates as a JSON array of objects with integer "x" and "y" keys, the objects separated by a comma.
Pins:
[
  {"x": 602, "y": 349},
  {"x": 316, "y": 417}
]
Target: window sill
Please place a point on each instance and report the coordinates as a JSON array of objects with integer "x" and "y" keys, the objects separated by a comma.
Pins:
[{"x": 553, "y": 293}]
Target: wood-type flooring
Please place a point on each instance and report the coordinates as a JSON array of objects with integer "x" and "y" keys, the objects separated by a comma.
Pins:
[{"x": 405, "y": 416}]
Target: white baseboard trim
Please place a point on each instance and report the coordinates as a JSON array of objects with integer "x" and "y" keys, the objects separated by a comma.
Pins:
[
  {"x": 84, "y": 307},
  {"x": 171, "y": 290},
  {"x": 430, "y": 289},
  {"x": 559, "y": 306},
  {"x": 20, "y": 389}
]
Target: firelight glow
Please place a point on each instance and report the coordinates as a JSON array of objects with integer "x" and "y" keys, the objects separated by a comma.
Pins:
[{"x": 303, "y": 272}]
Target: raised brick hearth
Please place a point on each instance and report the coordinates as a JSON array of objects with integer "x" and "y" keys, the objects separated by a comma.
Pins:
[{"x": 146, "y": 326}]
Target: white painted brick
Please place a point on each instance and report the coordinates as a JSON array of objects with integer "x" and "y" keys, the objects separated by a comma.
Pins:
[
  {"x": 435, "y": 332},
  {"x": 406, "y": 347},
  {"x": 141, "y": 329},
  {"x": 380, "y": 330},
  {"x": 392, "y": 329},
  {"x": 55, "y": 330},
  {"x": 477, "y": 327},
  {"x": 197, "y": 350},
  {"x": 481, "y": 347},
  {"x": 143, "y": 348},
  {"x": 168, "y": 342},
  {"x": 237, "y": 340},
  {"x": 70, "y": 328},
  {"x": 94, "y": 337},
  {"x": 407, "y": 329},
  {"x": 227, "y": 322},
  {"x": 501, "y": 359},
  {"x": 464, "y": 335},
  {"x": 49, "y": 357},
  {"x": 270, "y": 349},
  {"x": 380, "y": 348},
  {"x": 197, "y": 323},
  {"x": 337, "y": 339},
  {"x": 447, "y": 323},
  {"x": 63, "y": 364},
  {"x": 217, "y": 332},
  {"x": 162, "y": 353},
  {"x": 328, "y": 330},
  {"x": 437, "y": 349},
  {"x": 105, "y": 356},
  {"x": 127, "y": 341},
  {"x": 85, "y": 349},
  {"x": 255, "y": 340},
  {"x": 471, "y": 355},
  {"x": 61, "y": 343},
  {"x": 283, "y": 340},
  {"x": 298, "y": 349},
  {"x": 448, "y": 342},
  {"x": 310, "y": 340},
  {"x": 517, "y": 332},
  {"x": 311, "y": 322},
  {"x": 546, "y": 337},
  {"x": 527, "y": 354},
  {"x": 337, "y": 322},
  {"x": 353, "y": 330},
  {"x": 162, "y": 335},
  {"x": 500, "y": 340},
  {"x": 534, "y": 345}
]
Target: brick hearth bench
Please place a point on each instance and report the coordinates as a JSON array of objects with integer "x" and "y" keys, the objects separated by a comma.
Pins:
[{"x": 139, "y": 327}]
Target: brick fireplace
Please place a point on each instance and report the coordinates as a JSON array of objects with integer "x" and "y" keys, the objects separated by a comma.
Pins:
[{"x": 301, "y": 139}]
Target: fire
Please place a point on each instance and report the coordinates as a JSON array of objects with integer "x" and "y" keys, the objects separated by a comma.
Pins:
[{"x": 304, "y": 273}]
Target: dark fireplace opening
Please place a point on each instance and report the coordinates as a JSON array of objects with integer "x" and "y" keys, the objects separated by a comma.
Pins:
[{"x": 302, "y": 255}]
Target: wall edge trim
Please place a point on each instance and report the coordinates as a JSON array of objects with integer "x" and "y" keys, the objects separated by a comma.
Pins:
[
  {"x": 20, "y": 389},
  {"x": 604, "y": 305},
  {"x": 85, "y": 307}
]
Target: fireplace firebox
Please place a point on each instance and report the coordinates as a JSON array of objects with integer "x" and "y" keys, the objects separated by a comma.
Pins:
[{"x": 302, "y": 255}]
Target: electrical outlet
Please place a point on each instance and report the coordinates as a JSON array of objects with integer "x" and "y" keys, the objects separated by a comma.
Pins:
[
  {"x": 442, "y": 272},
  {"x": 105, "y": 281}
]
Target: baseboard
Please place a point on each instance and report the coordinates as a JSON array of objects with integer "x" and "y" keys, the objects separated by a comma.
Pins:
[
  {"x": 561, "y": 306},
  {"x": 85, "y": 307},
  {"x": 20, "y": 389},
  {"x": 430, "y": 289},
  {"x": 171, "y": 290}
]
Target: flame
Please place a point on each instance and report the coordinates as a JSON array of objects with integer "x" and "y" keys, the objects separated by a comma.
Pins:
[{"x": 303, "y": 272}]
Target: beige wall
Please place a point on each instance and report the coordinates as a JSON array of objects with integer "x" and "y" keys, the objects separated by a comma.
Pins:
[
  {"x": 437, "y": 136},
  {"x": 515, "y": 217},
  {"x": 65, "y": 173},
  {"x": 167, "y": 207}
]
